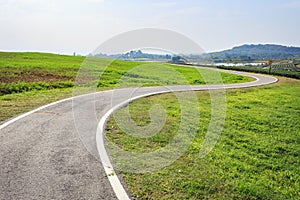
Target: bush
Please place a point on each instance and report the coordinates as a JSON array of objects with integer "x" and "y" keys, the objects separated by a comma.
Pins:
[{"x": 290, "y": 74}]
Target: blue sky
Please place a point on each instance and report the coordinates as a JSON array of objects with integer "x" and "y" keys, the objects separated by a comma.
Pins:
[{"x": 65, "y": 26}]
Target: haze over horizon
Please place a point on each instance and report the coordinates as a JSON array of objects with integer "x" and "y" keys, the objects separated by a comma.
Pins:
[{"x": 81, "y": 26}]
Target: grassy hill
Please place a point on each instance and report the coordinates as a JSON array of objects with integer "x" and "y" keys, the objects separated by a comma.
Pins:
[
  {"x": 29, "y": 80},
  {"x": 21, "y": 72}
]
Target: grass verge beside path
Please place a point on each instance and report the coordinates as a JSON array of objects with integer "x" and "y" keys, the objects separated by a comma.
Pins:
[
  {"x": 30, "y": 80},
  {"x": 16, "y": 104},
  {"x": 256, "y": 157}
]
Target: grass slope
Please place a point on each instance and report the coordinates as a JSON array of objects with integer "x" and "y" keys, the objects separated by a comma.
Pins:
[
  {"x": 20, "y": 72},
  {"x": 29, "y": 80},
  {"x": 257, "y": 155},
  {"x": 16, "y": 104}
]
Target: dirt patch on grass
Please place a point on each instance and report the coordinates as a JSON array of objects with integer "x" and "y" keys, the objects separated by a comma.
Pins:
[{"x": 32, "y": 76}]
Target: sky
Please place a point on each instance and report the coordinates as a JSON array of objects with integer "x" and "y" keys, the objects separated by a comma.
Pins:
[{"x": 67, "y": 26}]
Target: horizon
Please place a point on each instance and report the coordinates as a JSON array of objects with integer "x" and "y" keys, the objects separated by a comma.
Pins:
[{"x": 143, "y": 51}]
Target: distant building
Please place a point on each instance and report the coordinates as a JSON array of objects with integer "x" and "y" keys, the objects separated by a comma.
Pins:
[{"x": 178, "y": 60}]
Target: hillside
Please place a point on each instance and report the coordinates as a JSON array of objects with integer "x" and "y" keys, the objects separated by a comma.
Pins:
[
  {"x": 260, "y": 51},
  {"x": 27, "y": 71}
]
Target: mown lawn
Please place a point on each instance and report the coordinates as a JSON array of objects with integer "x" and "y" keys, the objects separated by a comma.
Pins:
[
  {"x": 29, "y": 80},
  {"x": 256, "y": 157},
  {"x": 16, "y": 104},
  {"x": 21, "y": 72}
]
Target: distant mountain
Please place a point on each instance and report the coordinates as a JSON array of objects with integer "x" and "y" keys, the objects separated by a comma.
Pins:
[
  {"x": 244, "y": 53},
  {"x": 260, "y": 51}
]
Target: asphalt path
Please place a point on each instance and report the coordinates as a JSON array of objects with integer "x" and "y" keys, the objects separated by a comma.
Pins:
[{"x": 52, "y": 152}]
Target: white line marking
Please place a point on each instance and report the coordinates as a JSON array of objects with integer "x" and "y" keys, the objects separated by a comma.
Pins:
[
  {"x": 109, "y": 170},
  {"x": 32, "y": 111}
]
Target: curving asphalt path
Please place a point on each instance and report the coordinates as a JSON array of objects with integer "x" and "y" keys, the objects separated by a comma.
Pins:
[{"x": 43, "y": 156}]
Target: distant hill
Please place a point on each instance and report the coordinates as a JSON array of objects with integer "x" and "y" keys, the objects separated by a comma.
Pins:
[
  {"x": 247, "y": 53},
  {"x": 260, "y": 51}
]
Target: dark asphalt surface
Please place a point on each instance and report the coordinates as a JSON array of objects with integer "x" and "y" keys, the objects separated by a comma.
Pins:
[{"x": 44, "y": 157}]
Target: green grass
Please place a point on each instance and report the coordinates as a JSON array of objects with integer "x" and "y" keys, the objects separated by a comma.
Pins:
[
  {"x": 29, "y": 80},
  {"x": 22, "y": 72},
  {"x": 256, "y": 157},
  {"x": 16, "y": 104}
]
